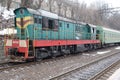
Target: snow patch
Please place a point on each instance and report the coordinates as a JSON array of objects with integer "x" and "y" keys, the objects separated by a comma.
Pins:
[
  {"x": 86, "y": 54},
  {"x": 8, "y": 14},
  {"x": 104, "y": 52},
  {"x": 8, "y": 31},
  {"x": 5, "y": 13},
  {"x": 117, "y": 47},
  {"x": 115, "y": 75}
]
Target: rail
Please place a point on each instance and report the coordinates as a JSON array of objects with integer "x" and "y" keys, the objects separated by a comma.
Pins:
[
  {"x": 62, "y": 75},
  {"x": 98, "y": 75}
]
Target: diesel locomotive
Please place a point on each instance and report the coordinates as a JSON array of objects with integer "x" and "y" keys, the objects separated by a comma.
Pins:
[{"x": 41, "y": 34}]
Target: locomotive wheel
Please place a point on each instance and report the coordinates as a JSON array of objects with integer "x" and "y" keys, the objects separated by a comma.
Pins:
[
  {"x": 38, "y": 56},
  {"x": 72, "y": 49},
  {"x": 55, "y": 52}
]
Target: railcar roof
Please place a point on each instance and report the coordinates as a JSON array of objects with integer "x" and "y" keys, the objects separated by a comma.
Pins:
[{"x": 113, "y": 30}]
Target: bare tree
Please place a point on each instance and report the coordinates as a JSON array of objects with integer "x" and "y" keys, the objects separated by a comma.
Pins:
[
  {"x": 114, "y": 21},
  {"x": 23, "y": 3},
  {"x": 50, "y": 5},
  {"x": 59, "y": 3},
  {"x": 82, "y": 12},
  {"x": 73, "y": 10},
  {"x": 38, "y": 4},
  {"x": 65, "y": 10},
  {"x": 3, "y": 2},
  {"x": 26, "y": 3},
  {"x": 9, "y": 4}
]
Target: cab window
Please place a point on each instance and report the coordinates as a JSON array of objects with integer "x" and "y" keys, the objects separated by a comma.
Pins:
[
  {"x": 44, "y": 22},
  {"x": 51, "y": 24},
  {"x": 37, "y": 19},
  {"x": 56, "y": 25}
]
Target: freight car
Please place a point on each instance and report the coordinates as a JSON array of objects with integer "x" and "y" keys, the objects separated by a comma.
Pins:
[{"x": 41, "y": 34}]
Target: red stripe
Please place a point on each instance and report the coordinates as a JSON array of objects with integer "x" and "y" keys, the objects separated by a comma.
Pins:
[{"x": 41, "y": 43}]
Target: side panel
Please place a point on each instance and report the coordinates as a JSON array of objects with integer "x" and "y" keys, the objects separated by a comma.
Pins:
[
  {"x": 78, "y": 31},
  {"x": 46, "y": 34},
  {"x": 111, "y": 37},
  {"x": 61, "y": 30},
  {"x": 86, "y": 34},
  {"x": 69, "y": 30},
  {"x": 37, "y": 28},
  {"x": 54, "y": 35}
]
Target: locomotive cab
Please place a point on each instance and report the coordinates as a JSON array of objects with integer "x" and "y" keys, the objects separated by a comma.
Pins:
[
  {"x": 23, "y": 20},
  {"x": 17, "y": 47}
]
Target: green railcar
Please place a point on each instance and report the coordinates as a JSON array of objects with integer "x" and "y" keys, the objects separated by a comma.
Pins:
[
  {"x": 111, "y": 36},
  {"x": 107, "y": 35}
]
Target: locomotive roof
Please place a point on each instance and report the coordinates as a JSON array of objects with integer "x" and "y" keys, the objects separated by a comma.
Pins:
[
  {"x": 43, "y": 13},
  {"x": 52, "y": 15},
  {"x": 91, "y": 25}
]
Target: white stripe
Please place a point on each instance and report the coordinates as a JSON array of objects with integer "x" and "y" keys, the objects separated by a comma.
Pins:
[
  {"x": 9, "y": 43},
  {"x": 22, "y": 43}
]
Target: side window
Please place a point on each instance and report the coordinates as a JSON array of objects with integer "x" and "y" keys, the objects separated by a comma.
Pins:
[
  {"x": 44, "y": 23},
  {"x": 60, "y": 24},
  {"x": 56, "y": 25},
  {"x": 77, "y": 28},
  {"x": 40, "y": 21},
  {"x": 67, "y": 25},
  {"x": 51, "y": 24},
  {"x": 35, "y": 20},
  {"x": 93, "y": 30}
]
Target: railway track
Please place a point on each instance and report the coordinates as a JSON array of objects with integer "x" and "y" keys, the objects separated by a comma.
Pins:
[
  {"x": 4, "y": 65},
  {"x": 106, "y": 73},
  {"x": 8, "y": 66},
  {"x": 89, "y": 71}
]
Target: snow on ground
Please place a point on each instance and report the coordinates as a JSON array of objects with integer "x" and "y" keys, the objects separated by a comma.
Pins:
[
  {"x": 104, "y": 52},
  {"x": 5, "y": 13},
  {"x": 8, "y": 14},
  {"x": 8, "y": 31},
  {"x": 100, "y": 52},
  {"x": 117, "y": 47},
  {"x": 89, "y": 54},
  {"x": 115, "y": 75}
]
